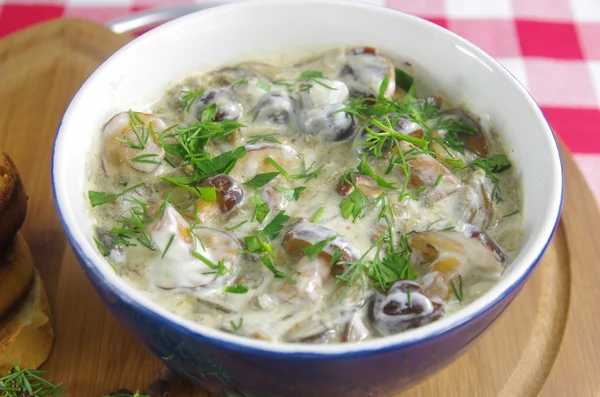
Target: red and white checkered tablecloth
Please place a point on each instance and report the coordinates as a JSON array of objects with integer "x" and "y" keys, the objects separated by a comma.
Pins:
[{"x": 551, "y": 46}]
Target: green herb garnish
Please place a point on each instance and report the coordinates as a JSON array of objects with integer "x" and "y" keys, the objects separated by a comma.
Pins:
[
  {"x": 273, "y": 228},
  {"x": 458, "y": 292},
  {"x": 276, "y": 272},
  {"x": 261, "y": 210},
  {"x": 189, "y": 97},
  {"x": 237, "y": 326},
  {"x": 264, "y": 138},
  {"x": 511, "y": 214},
  {"x": 218, "y": 267},
  {"x": 312, "y": 251},
  {"x": 261, "y": 179},
  {"x": 99, "y": 198},
  {"x": 263, "y": 85},
  {"x": 236, "y": 226},
  {"x": 365, "y": 169},
  {"x": 168, "y": 246},
  {"x": 318, "y": 215},
  {"x": 237, "y": 289},
  {"x": 291, "y": 194},
  {"x": 28, "y": 383}
]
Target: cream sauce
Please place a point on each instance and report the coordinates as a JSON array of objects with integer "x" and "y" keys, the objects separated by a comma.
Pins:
[{"x": 310, "y": 126}]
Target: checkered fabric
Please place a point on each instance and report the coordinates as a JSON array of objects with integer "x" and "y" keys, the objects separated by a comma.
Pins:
[{"x": 551, "y": 46}]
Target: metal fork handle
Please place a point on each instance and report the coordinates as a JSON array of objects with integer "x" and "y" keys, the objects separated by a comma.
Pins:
[{"x": 147, "y": 19}]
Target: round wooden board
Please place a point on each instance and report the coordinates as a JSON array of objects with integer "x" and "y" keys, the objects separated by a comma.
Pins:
[{"x": 544, "y": 344}]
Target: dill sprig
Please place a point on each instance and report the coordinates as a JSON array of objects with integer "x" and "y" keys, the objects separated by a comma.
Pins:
[{"x": 28, "y": 383}]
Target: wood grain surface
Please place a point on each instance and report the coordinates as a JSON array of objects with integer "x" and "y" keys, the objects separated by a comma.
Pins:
[{"x": 544, "y": 344}]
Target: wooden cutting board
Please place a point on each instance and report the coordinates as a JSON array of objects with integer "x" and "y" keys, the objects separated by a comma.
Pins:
[{"x": 545, "y": 343}]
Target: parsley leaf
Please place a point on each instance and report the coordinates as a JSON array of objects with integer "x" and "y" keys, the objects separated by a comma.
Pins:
[
  {"x": 365, "y": 169},
  {"x": 221, "y": 164},
  {"x": 276, "y": 272},
  {"x": 312, "y": 251},
  {"x": 354, "y": 205},
  {"x": 273, "y": 228},
  {"x": 261, "y": 210},
  {"x": 291, "y": 194},
  {"x": 205, "y": 193},
  {"x": 404, "y": 80},
  {"x": 261, "y": 179}
]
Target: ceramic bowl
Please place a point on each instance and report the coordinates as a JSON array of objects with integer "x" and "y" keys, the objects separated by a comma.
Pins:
[{"x": 231, "y": 365}]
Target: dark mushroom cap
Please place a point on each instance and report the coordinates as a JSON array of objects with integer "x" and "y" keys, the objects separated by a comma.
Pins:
[
  {"x": 227, "y": 106},
  {"x": 473, "y": 137},
  {"x": 275, "y": 108},
  {"x": 403, "y": 307},
  {"x": 229, "y": 193}
]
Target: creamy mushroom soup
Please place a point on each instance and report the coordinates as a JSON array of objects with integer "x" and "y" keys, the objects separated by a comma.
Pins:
[{"x": 321, "y": 200}]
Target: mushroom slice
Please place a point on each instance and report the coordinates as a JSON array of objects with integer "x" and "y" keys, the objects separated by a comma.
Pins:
[
  {"x": 275, "y": 109},
  {"x": 310, "y": 278},
  {"x": 426, "y": 172},
  {"x": 473, "y": 137},
  {"x": 329, "y": 122},
  {"x": 311, "y": 332},
  {"x": 403, "y": 307},
  {"x": 319, "y": 92},
  {"x": 132, "y": 138},
  {"x": 189, "y": 259},
  {"x": 305, "y": 234},
  {"x": 227, "y": 106},
  {"x": 255, "y": 161},
  {"x": 355, "y": 329},
  {"x": 466, "y": 251},
  {"x": 364, "y": 183},
  {"x": 364, "y": 71},
  {"x": 476, "y": 205},
  {"x": 230, "y": 195},
  {"x": 273, "y": 198}
]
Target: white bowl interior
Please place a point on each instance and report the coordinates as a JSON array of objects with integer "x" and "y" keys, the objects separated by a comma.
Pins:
[{"x": 140, "y": 72}]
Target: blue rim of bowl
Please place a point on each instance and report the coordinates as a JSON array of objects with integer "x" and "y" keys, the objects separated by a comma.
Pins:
[{"x": 263, "y": 348}]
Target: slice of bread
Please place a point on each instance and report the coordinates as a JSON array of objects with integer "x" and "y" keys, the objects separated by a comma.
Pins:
[
  {"x": 13, "y": 200},
  {"x": 26, "y": 334},
  {"x": 16, "y": 273}
]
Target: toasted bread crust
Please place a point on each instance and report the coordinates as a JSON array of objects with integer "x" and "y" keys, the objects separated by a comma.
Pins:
[
  {"x": 16, "y": 274},
  {"x": 26, "y": 336},
  {"x": 13, "y": 200}
]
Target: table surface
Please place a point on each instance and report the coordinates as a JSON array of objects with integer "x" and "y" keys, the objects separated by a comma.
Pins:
[{"x": 551, "y": 46}]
